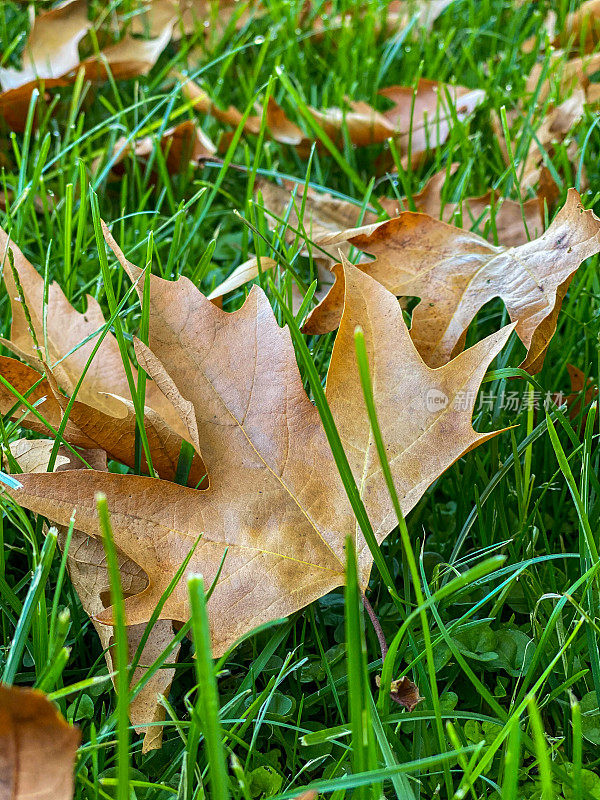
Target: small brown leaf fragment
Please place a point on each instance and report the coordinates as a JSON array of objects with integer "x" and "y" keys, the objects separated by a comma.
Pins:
[
  {"x": 507, "y": 214},
  {"x": 37, "y": 747},
  {"x": 581, "y": 27},
  {"x": 404, "y": 692},
  {"x": 565, "y": 76},
  {"x": 553, "y": 129},
  {"x": 22, "y": 378},
  {"x": 423, "y": 116},
  {"x": 33, "y": 455},
  {"x": 455, "y": 273},
  {"x": 241, "y": 275},
  {"x": 398, "y": 14},
  {"x": 194, "y": 16},
  {"x": 275, "y": 505},
  {"x": 582, "y": 393},
  {"x": 182, "y": 145},
  {"x": 52, "y": 47}
]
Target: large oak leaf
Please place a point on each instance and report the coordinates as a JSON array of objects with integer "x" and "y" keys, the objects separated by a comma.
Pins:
[{"x": 275, "y": 508}]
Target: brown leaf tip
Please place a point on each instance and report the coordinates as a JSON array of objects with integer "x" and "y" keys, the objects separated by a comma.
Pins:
[{"x": 404, "y": 692}]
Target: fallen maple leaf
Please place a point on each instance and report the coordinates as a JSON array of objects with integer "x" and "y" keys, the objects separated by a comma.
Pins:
[
  {"x": 37, "y": 747},
  {"x": 275, "y": 510},
  {"x": 455, "y": 273},
  {"x": 102, "y": 415}
]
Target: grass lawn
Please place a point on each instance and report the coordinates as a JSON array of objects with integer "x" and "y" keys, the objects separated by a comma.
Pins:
[{"x": 504, "y": 646}]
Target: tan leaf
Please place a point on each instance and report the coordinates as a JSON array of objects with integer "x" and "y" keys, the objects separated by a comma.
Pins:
[
  {"x": 52, "y": 47},
  {"x": 33, "y": 455},
  {"x": 194, "y": 16},
  {"x": 37, "y": 747},
  {"x": 241, "y": 275},
  {"x": 428, "y": 126},
  {"x": 181, "y": 145},
  {"x": 325, "y": 214},
  {"x": 424, "y": 116},
  {"x": 276, "y": 501},
  {"x": 455, "y": 273},
  {"x": 565, "y": 75},
  {"x": 507, "y": 213},
  {"x": 553, "y": 129},
  {"x": 398, "y": 13}
]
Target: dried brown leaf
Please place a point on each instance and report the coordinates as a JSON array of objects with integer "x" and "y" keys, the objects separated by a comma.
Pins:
[
  {"x": 51, "y": 58},
  {"x": 182, "y": 145},
  {"x": 275, "y": 501},
  {"x": 37, "y": 747},
  {"x": 428, "y": 126},
  {"x": 455, "y": 273}
]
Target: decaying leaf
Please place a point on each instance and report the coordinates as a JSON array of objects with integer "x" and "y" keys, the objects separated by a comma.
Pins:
[
  {"x": 242, "y": 274},
  {"x": 398, "y": 14},
  {"x": 24, "y": 378},
  {"x": 52, "y": 47},
  {"x": 583, "y": 391},
  {"x": 582, "y": 27},
  {"x": 404, "y": 692},
  {"x": 275, "y": 502},
  {"x": 33, "y": 455},
  {"x": 194, "y": 16},
  {"x": 553, "y": 129},
  {"x": 51, "y": 57},
  {"x": 500, "y": 216},
  {"x": 455, "y": 273},
  {"x": 422, "y": 115},
  {"x": 103, "y": 414},
  {"x": 37, "y": 747},
  {"x": 565, "y": 76},
  {"x": 182, "y": 145},
  {"x": 325, "y": 215}
]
